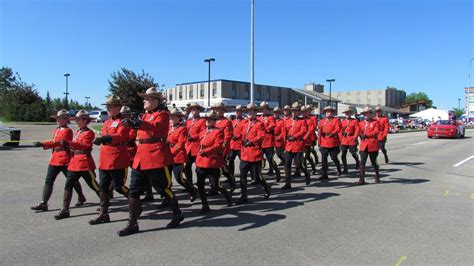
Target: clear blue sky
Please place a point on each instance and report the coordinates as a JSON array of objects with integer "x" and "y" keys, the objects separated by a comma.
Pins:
[{"x": 415, "y": 45}]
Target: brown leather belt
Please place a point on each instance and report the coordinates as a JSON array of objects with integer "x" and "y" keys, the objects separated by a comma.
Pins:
[
  {"x": 124, "y": 143},
  {"x": 77, "y": 152},
  {"x": 59, "y": 149},
  {"x": 151, "y": 140}
]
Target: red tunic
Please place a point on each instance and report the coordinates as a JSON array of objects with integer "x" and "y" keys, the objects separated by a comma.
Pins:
[
  {"x": 384, "y": 127},
  {"x": 253, "y": 132},
  {"x": 370, "y": 130},
  {"x": 132, "y": 146},
  {"x": 177, "y": 140},
  {"x": 269, "y": 126},
  {"x": 210, "y": 153},
  {"x": 279, "y": 133},
  {"x": 308, "y": 138},
  {"x": 59, "y": 156},
  {"x": 295, "y": 128},
  {"x": 81, "y": 147},
  {"x": 226, "y": 126},
  {"x": 349, "y": 132},
  {"x": 154, "y": 155},
  {"x": 326, "y": 127},
  {"x": 114, "y": 155},
  {"x": 315, "y": 122},
  {"x": 236, "y": 145},
  {"x": 194, "y": 128}
]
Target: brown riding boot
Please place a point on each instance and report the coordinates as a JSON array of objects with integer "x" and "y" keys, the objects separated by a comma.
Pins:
[
  {"x": 43, "y": 205},
  {"x": 377, "y": 175},
  {"x": 64, "y": 212},
  {"x": 134, "y": 210},
  {"x": 361, "y": 175},
  {"x": 103, "y": 216}
]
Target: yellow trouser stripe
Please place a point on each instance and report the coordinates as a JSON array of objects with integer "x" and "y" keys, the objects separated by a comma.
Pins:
[
  {"x": 93, "y": 181},
  {"x": 124, "y": 180},
  {"x": 168, "y": 178}
]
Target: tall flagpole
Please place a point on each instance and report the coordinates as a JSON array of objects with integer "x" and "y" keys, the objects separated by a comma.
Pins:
[{"x": 251, "y": 52}]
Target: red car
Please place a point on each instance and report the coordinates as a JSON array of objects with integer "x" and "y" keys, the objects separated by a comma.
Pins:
[{"x": 443, "y": 128}]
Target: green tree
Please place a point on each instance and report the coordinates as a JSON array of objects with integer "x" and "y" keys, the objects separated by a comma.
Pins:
[
  {"x": 459, "y": 111},
  {"x": 418, "y": 96},
  {"x": 127, "y": 84},
  {"x": 19, "y": 101}
]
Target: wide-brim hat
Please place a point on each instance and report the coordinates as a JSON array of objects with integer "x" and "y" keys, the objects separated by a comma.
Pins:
[
  {"x": 329, "y": 108},
  {"x": 348, "y": 110},
  {"x": 378, "y": 108},
  {"x": 367, "y": 109},
  {"x": 239, "y": 108},
  {"x": 252, "y": 106},
  {"x": 152, "y": 92},
  {"x": 211, "y": 115},
  {"x": 309, "y": 107},
  {"x": 194, "y": 106},
  {"x": 277, "y": 110},
  {"x": 113, "y": 100},
  {"x": 61, "y": 113},
  {"x": 125, "y": 110},
  {"x": 264, "y": 105},
  {"x": 218, "y": 106},
  {"x": 82, "y": 114},
  {"x": 176, "y": 112},
  {"x": 296, "y": 106},
  {"x": 287, "y": 107}
]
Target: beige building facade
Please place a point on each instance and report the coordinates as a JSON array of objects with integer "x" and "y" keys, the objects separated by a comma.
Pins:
[{"x": 390, "y": 97}]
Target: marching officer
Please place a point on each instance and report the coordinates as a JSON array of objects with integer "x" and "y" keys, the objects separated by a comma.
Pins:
[
  {"x": 114, "y": 157},
  {"x": 369, "y": 146},
  {"x": 314, "y": 138},
  {"x": 286, "y": 112},
  {"x": 329, "y": 141},
  {"x": 268, "y": 143},
  {"x": 384, "y": 128},
  {"x": 309, "y": 138},
  {"x": 177, "y": 140},
  {"x": 295, "y": 130},
  {"x": 126, "y": 113},
  {"x": 236, "y": 141},
  {"x": 210, "y": 160},
  {"x": 153, "y": 161},
  {"x": 59, "y": 160},
  {"x": 279, "y": 137},
  {"x": 253, "y": 135},
  {"x": 194, "y": 126},
  {"x": 226, "y": 126},
  {"x": 349, "y": 134},
  {"x": 81, "y": 164}
]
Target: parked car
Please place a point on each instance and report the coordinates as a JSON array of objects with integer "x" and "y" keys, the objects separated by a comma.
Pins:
[
  {"x": 445, "y": 128},
  {"x": 98, "y": 116}
]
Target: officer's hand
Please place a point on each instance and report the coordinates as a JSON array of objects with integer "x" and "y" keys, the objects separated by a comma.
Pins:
[
  {"x": 37, "y": 144},
  {"x": 133, "y": 123},
  {"x": 98, "y": 141},
  {"x": 190, "y": 138},
  {"x": 106, "y": 139},
  {"x": 202, "y": 153},
  {"x": 362, "y": 137},
  {"x": 331, "y": 135},
  {"x": 291, "y": 138},
  {"x": 64, "y": 143},
  {"x": 235, "y": 138},
  {"x": 127, "y": 122}
]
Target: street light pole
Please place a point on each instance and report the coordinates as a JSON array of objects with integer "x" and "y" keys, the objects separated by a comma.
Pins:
[
  {"x": 87, "y": 100},
  {"x": 252, "y": 83},
  {"x": 67, "y": 92},
  {"x": 209, "y": 60},
  {"x": 468, "y": 89},
  {"x": 459, "y": 103},
  {"x": 330, "y": 87}
]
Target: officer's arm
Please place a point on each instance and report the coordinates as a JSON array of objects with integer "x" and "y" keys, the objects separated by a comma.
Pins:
[
  {"x": 357, "y": 131},
  {"x": 303, "y": 130},
  {"x": 65, "y": 135},
  {"x": 121, "y": 135},
  {"x": 216, "y": 148},
  {"x": 162, "y": 120},
  {"x": 258, "y": 138},
  {"x": 85, "y": 143},
  {"x": 181, "y": 141},
  {"x": 375, "y": 131},
  {"x": 386, "y": 128},
  {"x": 337, "y": 127},
  {"x": 311, "y": 130},
  {"x": 270, "y": 126}
]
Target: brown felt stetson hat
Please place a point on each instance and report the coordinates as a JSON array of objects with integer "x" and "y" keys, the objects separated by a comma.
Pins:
[
  {"x": 367, "y": 109},
  {"x": 61, "y": 113},
  {"x": 378, "y": 108},
  {"x": 113, "y": 100},
  {"x": 264, "y": 105},
  {"x": 194, "y": 106},
  {"x": 348, "y": 109},
  {"x": 277, "y": 110},
  {"x": 176, "y": 112},
  {"x": 211, "y": 115},
  {"x": 252, "y": 106},
  {"x": 82, "y": 114},
  {"x": 152, "y": 92},
  {"x": 239, "y": 108},
  {"x": 296, "y": 106},
  {"x": 219, "y": 106},
  {"x": 125, "y": 110},
  {"x": 329, "y": 108},
  {"x": 287, "y": 107}
]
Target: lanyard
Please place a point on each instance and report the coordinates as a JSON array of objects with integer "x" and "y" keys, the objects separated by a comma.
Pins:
[
  {"x": 202, "y": 138},
  {"x": 251, "y": 123},
  {"x": 77, "y": 134},
  {"x": 56, "y": 132}
]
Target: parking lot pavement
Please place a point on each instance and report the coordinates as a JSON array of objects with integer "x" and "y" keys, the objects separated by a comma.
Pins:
[{"x": 421, "y": 214}]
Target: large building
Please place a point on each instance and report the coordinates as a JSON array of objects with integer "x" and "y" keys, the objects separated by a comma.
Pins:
[
  {"x": 232, "y": 93},
  {"x": 390, "y": 97},
  {"x": 469, "y": 100}
]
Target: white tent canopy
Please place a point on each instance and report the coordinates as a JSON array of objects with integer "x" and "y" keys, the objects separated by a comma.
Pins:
[{"x": 432, "y": 113}]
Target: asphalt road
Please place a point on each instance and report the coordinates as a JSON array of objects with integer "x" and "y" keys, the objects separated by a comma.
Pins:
[{"x": 422, "y": 214}]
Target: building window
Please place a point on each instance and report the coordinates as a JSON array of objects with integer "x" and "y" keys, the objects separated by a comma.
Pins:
[
  {"x": 191, "y": 94},
  {"x": 201, "y": 90},
  {"x": 180, "y": 94},
  {"x": 214, "y": 89},
  {"x": 171, "y": 97},
  {"x": 246, "y": 93}
]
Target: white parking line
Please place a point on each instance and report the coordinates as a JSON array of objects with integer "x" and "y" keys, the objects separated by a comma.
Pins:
[
  {"x": 463, "y": 161},
  {"x": 419, "y": 143}
]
